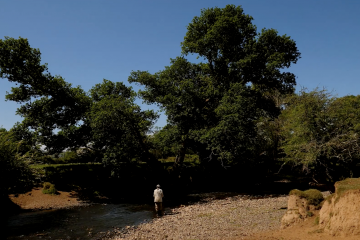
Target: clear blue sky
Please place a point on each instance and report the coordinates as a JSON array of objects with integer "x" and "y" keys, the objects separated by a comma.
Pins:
[{"x": 85, "y": 41}]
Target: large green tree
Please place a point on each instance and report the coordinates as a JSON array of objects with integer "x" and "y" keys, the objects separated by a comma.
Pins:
[
  {"x": 321, "y": 134},
  {"x": 49, "y": 104},
  {"x": 119, "y": 126},
  {"x": 60, "y": 116},
  {"x": 214, "y": 105}
]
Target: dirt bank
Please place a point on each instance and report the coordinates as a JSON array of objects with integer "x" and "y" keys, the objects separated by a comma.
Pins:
[
  {"x": 307, "y": 230},
  {"x": 36, "y": 200}
]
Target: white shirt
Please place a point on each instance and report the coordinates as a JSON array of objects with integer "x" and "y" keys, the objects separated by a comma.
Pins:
[{"x": 158, "y": 195}]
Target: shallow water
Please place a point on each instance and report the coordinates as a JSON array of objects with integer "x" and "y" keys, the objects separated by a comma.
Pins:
[
  {"x": 90, "y": 221},
  {"x": 77, "y": 223}
]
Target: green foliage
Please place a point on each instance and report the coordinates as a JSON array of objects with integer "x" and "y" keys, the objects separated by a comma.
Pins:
[
  {"x": 313, "y": 196},
  {"x": 48, "y": 102},
  {"x": 347, "y": 185},
  {"x": 119, "y": 125},
  {"x": 321, "y": 133},
  {"x": 60, "y": 116},
  {"x": 69, "y": 156},
  {"x": 49, "y": 188},
  {"x": 15, "y": 175},
  {"x": 213, "y": 107},
  {"x": 235, "y": 52},
  {"x": 43, "y": 160},
  {"x": 64, "y": 176}
]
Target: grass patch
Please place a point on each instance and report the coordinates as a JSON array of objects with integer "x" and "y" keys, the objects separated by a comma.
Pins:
[
  {"x": 40, "y": 166},
  {"x": 317, "y": 220},
  {"x": 313, "y": 196},
  {"x": 49, "y": 188},
  {"x": 347, "y": 185}
]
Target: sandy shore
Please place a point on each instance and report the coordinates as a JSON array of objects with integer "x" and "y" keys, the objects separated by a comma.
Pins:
[{"x": 36, "y": 200}]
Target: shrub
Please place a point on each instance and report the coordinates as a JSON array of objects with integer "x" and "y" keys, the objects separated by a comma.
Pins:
[
  {"x": 15, "y": 174},
  {"x": 313, "y": 196},
  {"x": 49, "y": 188},
  {"x": 349, "y": 184},
  {"x": 346, "y": 185}
]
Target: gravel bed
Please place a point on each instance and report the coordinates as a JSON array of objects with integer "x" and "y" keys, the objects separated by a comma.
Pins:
[{"x": 233, "y": 217}]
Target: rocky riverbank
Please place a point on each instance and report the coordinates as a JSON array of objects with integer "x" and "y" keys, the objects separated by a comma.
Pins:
[{"x": 233, "y": 217}]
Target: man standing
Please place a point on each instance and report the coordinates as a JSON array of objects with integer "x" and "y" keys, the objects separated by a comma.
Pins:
[{"x": 158, "y": 195}]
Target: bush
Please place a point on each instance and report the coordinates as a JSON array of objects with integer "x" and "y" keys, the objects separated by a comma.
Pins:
[
  {"x": 313, "y": 196},
  {"x": 15, "y": 174},
  {"x": 49, "y": 188}
]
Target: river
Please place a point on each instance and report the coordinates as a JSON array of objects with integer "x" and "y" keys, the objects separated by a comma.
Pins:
[{"x": 77, "y": 223}]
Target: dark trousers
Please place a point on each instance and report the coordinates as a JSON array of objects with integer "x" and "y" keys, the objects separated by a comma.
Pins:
[{"x": 158, "y": 208}]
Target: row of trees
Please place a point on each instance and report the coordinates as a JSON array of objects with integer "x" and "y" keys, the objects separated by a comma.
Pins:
[
  {"x": 235, "y": 108},
  {"x": 207, "y": 103}
]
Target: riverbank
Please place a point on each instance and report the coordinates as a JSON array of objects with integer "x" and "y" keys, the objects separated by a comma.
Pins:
[
  {"x": 207, "y": 216},
  {"x": 36, "y": 200},
  {"x": 242, "y": 217},
  {"x": 232, "y": 217}
]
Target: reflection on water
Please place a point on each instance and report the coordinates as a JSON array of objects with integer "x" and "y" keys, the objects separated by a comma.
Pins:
[{"x": 77, "y": 223}]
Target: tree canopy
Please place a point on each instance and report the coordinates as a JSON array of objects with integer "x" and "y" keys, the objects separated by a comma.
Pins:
[
  {"x": 118, "y": 125},
  {"x": 48, "y": 102},
  {"x": 60, "y": 116},
  {"x": 214, "y": 104},
  {"x": 321, "y": 133}
]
